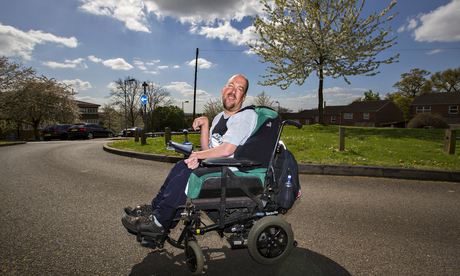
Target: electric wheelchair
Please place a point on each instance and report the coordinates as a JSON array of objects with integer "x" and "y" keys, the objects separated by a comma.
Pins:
[{"x": 241, "y": 197}]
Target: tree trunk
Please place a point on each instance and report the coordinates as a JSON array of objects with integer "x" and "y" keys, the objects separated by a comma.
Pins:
[
  {"x": 36, "y": 132},
  {"x": 320, "y": 97}
]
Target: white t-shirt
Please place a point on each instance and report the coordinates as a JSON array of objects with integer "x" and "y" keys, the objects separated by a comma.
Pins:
[{"x": 239, "y": 127}]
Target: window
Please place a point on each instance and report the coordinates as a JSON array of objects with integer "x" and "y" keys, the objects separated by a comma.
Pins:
[
  {"x": 348, "y": 116},
  {"x": 423, "y": 109},
  {"x": 366, "y": 116},
  {"x": 333, "y": 118},
  {"x": 453, "y": 109}
]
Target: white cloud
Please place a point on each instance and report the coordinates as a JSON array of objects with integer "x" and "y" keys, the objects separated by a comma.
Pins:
[
  {"x": 409, "y": 26},
  {"x": 115, "y": 64},
  {"x": 203, "y": 11},
  {"x": 202, "y": 63},
  {"x": 163, "y": 67},
  {"x": 185, "y": 89},
  {"x": 15, "y": 42},
  {"x": 131, "y": 12},
  {"x": 78, "y": 84},
  {"x": 66, "y": 64},
  {"x": 224, "y": 31},
  {"x": 434, "y": 51},
  {"x": 206, "y": 17},
  {"x": 90, "y": 99},
  {"x": 94, "y": 59},
  {"x": 440, "y": 24}
]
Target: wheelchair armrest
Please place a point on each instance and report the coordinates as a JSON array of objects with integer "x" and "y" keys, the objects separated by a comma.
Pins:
[
  {"x": 230, "y": 162},
  {"x": 186, "y": 150}
]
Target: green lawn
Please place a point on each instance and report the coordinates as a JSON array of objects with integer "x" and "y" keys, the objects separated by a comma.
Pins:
[{"x": 389, "y": 147}]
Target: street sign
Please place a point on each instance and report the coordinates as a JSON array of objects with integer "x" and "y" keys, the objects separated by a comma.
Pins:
[{"x": 144, "y": 99}]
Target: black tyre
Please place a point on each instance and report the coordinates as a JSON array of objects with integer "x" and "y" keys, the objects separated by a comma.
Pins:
[
  {"x": 270, "y": 240},
  {"x": 194, "y": 258}
]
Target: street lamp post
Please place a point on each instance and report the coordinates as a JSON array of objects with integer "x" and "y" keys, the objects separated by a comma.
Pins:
[
  {"x": 278, "y": 106},
  {"x": 144, "y": 103},
  {"x": 126, "y": 117},
  {"x": 183, "y": 105}
]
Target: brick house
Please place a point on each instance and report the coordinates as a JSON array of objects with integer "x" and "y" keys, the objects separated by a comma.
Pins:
[
  {"x": 379, "y": 113},
  {"x": 88, "y": 112},
  {"x": 368, "y": 113},
  {"x": 446, "y": 104},
  {"x": 310, "y": 116}
]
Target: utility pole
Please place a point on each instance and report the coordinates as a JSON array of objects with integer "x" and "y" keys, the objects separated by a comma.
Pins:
[{"x": 194, "y": 88}]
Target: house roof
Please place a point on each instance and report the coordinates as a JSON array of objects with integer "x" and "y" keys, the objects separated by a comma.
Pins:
[
  {"x": 366, "y": 106},
  {"x": 86, "y": 104},
  {"x": 437, "y": 98}
]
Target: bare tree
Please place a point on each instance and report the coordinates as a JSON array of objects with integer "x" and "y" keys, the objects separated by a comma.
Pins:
[
  {"x": 157, "y": 96},
  {"x": 212, "y": 108},
  {"x": 126, "y": 95},
  {"x": 263, "y": 99},
  {"x": 331, "y": 38}
]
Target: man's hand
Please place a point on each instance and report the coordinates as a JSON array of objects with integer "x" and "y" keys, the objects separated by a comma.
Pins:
[
  {"x": 201, "y": 123},
  {"x": 192, "y": 162}
]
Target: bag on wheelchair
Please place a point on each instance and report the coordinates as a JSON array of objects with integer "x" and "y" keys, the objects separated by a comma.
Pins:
[{"x": 287, "y": 188}]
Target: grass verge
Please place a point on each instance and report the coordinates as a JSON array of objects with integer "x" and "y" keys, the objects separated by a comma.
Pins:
[{"x": 316, "y": 144}]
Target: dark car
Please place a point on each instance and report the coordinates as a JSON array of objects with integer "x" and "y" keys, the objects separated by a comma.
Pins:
[
  {"x": 131, "y": 132},
  {"x": 88, "y": 131},
  {"x": 58, "y": 131}
]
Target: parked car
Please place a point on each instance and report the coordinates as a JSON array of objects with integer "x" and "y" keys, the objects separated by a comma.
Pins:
[
  {"x": 88, "y": 131},
  {"x": 130, "y": 132},
  {"x": 58, "y": 131}
]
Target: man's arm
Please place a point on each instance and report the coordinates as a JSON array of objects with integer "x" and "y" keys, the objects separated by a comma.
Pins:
[
  {"x": 223, "y": 150},
  {"x": 202, "y": 123}
]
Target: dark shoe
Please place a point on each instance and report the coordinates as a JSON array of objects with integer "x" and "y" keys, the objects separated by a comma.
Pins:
[
  {"x": 146, "y": 226},
  {"x": 139, "y": 210},
  {"x": 130, "y": 222}
]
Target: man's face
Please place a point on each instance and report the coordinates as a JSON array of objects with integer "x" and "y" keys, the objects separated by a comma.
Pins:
[{"x": 233, "y": 93}]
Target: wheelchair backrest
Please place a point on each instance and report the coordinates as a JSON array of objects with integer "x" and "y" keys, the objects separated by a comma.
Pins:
[{"x": 263, "y": 140}]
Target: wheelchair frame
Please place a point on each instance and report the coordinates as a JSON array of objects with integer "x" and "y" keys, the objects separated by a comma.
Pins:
[{"x": 268, "y": 237}]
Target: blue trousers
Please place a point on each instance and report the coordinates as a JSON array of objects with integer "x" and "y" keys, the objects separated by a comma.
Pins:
[{"x": 171, "y": 195}]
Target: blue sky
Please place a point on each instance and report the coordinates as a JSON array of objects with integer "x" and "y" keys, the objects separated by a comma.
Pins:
[{"x": 91, "y": 43}]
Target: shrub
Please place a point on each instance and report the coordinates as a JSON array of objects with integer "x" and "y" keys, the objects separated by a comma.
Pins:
[{"x": 422, "y": 120}]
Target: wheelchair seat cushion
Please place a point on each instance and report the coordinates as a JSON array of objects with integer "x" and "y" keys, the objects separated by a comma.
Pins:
[{"x": 206, "y": 182}]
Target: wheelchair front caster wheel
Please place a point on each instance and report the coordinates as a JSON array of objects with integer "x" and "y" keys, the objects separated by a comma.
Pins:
[
  {"x": 270, "y": 240},
  {"x": 194, "y": 258}
]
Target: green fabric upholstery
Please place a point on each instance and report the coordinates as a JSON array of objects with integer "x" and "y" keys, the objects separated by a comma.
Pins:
[
  {"x": 263, "y": 114},
  {"x": 195, "y": 182}
]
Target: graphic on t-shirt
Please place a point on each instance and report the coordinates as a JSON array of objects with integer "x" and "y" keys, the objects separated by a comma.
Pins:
[{"x": 216, "y": 140}]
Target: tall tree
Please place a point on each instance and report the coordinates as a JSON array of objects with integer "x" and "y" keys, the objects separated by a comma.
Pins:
[
  {"x": 263, "y": 99},
  {"x": 414, "y": 83},
  {"x": 112, "y": 117},
  {"x": 126, "y": 94},
  {"x": 369, "y": 95},
  {"x": 41, "y": 100},
  {"x": 12, "y": 74},
  {"x": 328, "y": 37},
  {"x": 446, "y": 81}
]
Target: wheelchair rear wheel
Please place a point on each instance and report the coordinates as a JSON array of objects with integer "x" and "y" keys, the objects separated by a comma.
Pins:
[
  {"x": 270, "y": 240},
  {"x": 194, "y": 258}
]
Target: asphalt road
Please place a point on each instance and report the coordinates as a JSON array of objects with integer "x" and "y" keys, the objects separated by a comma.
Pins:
[{"x": 61, "y": 204}]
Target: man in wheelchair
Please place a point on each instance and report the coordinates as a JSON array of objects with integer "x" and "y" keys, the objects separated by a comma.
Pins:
[
  {"x": 230, "y": 129},
  {"x": 242, "y": 179}
]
